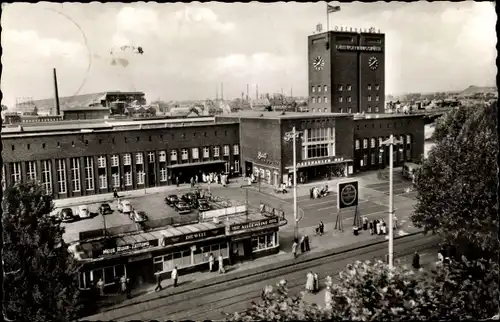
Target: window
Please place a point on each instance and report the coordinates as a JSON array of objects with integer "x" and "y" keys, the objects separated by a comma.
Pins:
[
  {"x": 101, "y": 162},
  {"x": 313, "y": 89},
  {"x": 16, "y": 172},
  {"x": 369, "y": 87},
  {"x": 317, "y": 150},
  {"x": 163, "y": 156},
  {"x": 103, "y": 181},
  {"x": 75, "y": 174},
  {"x": 325, "y": 88},
  {"x": 377, "y": 98},
  {"x": 318, "y": 134},
  {"x": 264, "y": 242},
  {"x": 365, "y": 143},
  {"x": 115, "y": 179},
  {"x": 401, "y": 156},
  {"x": 115, "y": 161},
  {"x": 184, "y": 154},
  {"x": 61, "y": 175},
  {"x": 206, "y": 152},
  {"x": 350, "y": 110},
  {"x": 380, "y": 140},
  {"x": 89, "y": 173},
  {"x": 237, "y": 166},
  {"x": 236, "y": 149},
  {"x": 340, "y": 88},
  {"x": 314, "y": 110},
  {"x": 376, "y": 109},
  {"x": 195, "y": 153},
  {"x": 227, "y": 167},
  {"x": 31, "y": 170},
  {"x": 216, "y": 151},
  {"x": 173, "y": 155},
  {"x": 140, "y": 177},
  {"x": 349, "y": 88},
  {"x": 226, "y": 150},
  {"x": 377, "y": 87},
  {"x": 324, "y": 110},
  {"x": 109, "y": 276},
  {"x": 163, "y": 174},
  {"x": 151, "y": 157},
  {"x": 372, "y": 158},
  {"x": 128, "y": 177},
  {"x": 372, "y": 143},
  {"x": 127, "y": 159},
  {"x": 401, "y": 139},
  {"x": 319, "y": 99},
  {"x": 46, "y": 176},
  {"x": 326, "y": 99},
  {"x": 319, "y": 88},
  {"x": 369, "y": 98},
  {"x": 341, "y": 110},
  {"x": 349, "y": 99},
  {"x": 340, "y": 99},
  {"x": 357, "y": 145},
  {"x": 380, "y": 157},
  {"x": 139, "y": 158},
  {"x": 408, "y": 154},
  {"x": 365, "y": 160},
  {"x": 408, "y": 139},
  {"x": 314, "y": 99}
]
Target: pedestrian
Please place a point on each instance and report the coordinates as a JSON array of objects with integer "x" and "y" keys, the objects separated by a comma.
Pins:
[
  {"x": 378, "y": 228},
  {"x": 196, "y": 179},
  {"x": 211, "y": 260},
  {"x": 100, "y": 286},
  {"x": 416, "y": 261},
  {"x": 310, "y": 282},
  {"x": 440, "y": 259},
  {"x": 115, "y": 194},
  {"x": 192, "y": 182},
  {"x": 177, "y": 180},
  {"x": 306, "y": 243},
  {"x": 123, "y": 282},
  {"x": 221, "y": 265},
  {"x": 321, "y": 228},
  {"x": 316, "y": 283},
  {"x": 365, "y": 223},
  {"x": 384, "y": 228},
  {"x": 175, "y": 276},
  {"x": 294, "y": 248},
  {"x": 395, "y": 220},
  {"x": 302, "y": 244},
  {"x": 128, "y": 288},
  {"x": 311, "y": 193},
  {"x": 371, "y": 228},
  {"x": 158, "y": 282},
  {"x": 328, "y": 298}
]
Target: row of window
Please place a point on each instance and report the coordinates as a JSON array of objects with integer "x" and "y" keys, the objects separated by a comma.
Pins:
[
  {"x": 183, "y": 136},
  {"x": 348, "y": 87},
  {"x": 319, "y": 100},
  {"x": 380, "y": 140},
  {"x": 325, "y": 88},
  {"x": 265, "y": 242},
  {"x": 320, "y": 134},
  {"x": 380, "y": 160},
  {"x": 109, "y": 275},
  {"x": 88, "y": 164}
]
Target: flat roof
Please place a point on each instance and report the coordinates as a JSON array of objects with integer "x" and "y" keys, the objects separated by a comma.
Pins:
[{"x": 280, "y": 115}]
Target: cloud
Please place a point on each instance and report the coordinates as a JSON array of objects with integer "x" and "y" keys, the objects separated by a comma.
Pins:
[{"x": 202, "y": 18}]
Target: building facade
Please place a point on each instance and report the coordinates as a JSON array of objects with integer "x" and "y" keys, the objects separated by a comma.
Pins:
[
  {"x": 346, "y": 72},
  {"x": 73, "y": 161}
]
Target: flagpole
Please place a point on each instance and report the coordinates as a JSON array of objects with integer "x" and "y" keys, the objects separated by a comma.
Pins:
[{"x": 327, "y": 19}]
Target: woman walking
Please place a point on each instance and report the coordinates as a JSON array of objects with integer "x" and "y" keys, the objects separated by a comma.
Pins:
[{"x": 310, "y": 282}]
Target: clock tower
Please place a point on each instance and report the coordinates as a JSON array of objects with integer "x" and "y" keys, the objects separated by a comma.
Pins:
[{"x": 346, "y": 71}]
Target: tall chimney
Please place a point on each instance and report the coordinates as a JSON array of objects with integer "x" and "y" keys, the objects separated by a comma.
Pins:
[
  {"x": 216, "y": 93},
  {"x": 247, "y": 91},
  {"x": 256, "y": 91},
  {"x": 291, "y": 91},
  {"x": 222, "y": 91},
  {"x": 56, "y": 93}
]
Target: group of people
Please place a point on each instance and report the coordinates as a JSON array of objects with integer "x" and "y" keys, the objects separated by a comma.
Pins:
[
  {"x": 304, "y": 245},
  {"x": 211, "y": 262},
  {"x": 214, "y": 177},
  {"x": 174, "y": 275},
  {"x": 378, "y": 226},
  {"x": 315, "y": 193},
  {"x": 320, "y": 230},
  {"x": 123, "y": 282},
  {"x": 312, "y": 283}
]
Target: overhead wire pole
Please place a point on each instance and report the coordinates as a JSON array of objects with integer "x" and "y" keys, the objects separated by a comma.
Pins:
[{"x": 293, "y": 136}]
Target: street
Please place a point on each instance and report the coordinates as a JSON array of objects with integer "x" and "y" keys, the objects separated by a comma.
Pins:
[{"x": 209, "y": 302}]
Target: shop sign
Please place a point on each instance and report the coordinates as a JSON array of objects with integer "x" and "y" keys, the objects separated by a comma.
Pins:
[
  {"x": 254, "y": 224},
  {"x": 165, "y": 241},
  {"x": 129, "y": 247},
  {"x": 358, "y": 48},
  {"x": 347, "y": 194},
  {"x": 140, "y": 257},
  {"x": 262, "y": 156}
]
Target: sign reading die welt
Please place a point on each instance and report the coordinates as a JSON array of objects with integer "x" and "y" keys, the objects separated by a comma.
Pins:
[{"x": 347, "y": 195}]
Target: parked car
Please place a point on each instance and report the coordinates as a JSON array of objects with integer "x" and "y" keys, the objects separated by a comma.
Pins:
[
  {"x": 203, "y": 205},
  {"x": 182, "y": 207},
  {"x": 66, "y": 215},
  {"x": 125, "y": 207},
  {"x": 171, "y": 200},
  {"x": 138, "y": 216},
  {"x": 83, "y": 212},
  {"x": 105, "y": 208},
  {"x": 191, "y": 199}
]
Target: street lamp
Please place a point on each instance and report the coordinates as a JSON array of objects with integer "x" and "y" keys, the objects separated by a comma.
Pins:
[
  {"x": 144, "y": 181},
  {"x": 390, "y": 142},
  {"x": 293, "y": 135}
]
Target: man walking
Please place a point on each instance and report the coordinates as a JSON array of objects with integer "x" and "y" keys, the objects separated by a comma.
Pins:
[
  {"x": 294, "y": 248},
  {"x": 175, "y": 276},
  {"x": 158, "y": 282},
  {"x": 211, "y": 261},
  {"x": 416, "y": 261}
]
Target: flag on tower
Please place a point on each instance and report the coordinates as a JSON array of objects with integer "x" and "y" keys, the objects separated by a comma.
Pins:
[{"x": 331, "y": 9}]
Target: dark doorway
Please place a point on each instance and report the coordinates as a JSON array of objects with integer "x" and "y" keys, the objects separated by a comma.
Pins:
[{"x": 248, "y": 168}]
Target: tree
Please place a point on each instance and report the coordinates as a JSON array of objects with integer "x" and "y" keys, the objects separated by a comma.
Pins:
[
  {"x": 40, "y": 275},
  {"x": 372, "y": 292},
  {"x": 457, "y": 185}
]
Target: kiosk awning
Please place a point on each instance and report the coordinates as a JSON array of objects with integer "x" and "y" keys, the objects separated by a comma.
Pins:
[{"x": 181, "y": 165}]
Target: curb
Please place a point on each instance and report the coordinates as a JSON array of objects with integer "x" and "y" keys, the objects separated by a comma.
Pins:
[{"x": 262, "y": 269}]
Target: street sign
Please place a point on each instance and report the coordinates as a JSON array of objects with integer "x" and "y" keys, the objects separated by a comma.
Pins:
[{"x": 347, "y": 194}]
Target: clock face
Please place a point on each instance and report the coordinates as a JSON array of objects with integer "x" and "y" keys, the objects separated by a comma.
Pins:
[
  {"x": 373, "y": 63},
  {"x": 319, "y": 63}
]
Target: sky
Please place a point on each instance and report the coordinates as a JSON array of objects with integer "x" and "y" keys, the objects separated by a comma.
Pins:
[{"x": 190, "y": 49}]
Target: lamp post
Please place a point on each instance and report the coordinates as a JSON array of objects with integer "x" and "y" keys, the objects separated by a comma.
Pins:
[
  {"x": 390, "y": 142},
  {"x": 144, "y": 181},
  {"x": 293, "y": 135}
]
